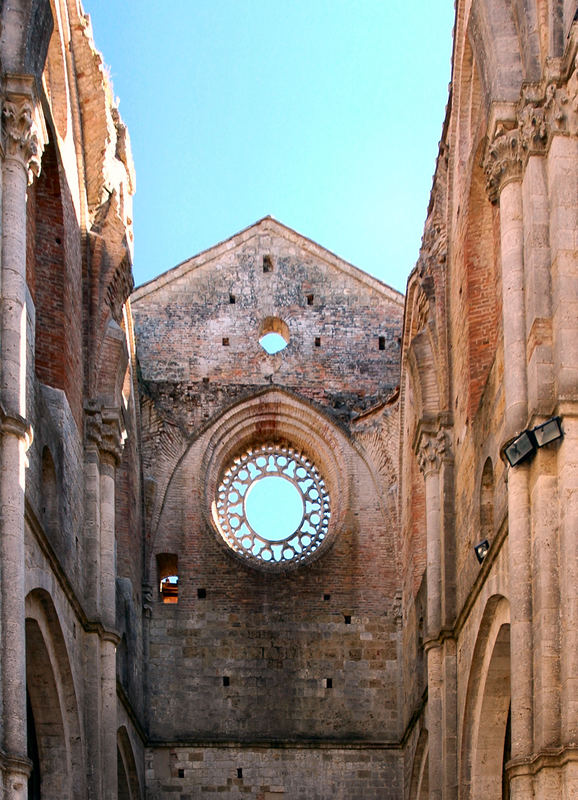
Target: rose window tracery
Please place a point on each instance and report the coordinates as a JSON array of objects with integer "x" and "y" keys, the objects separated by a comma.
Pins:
[{"x": 272, "y": 506}]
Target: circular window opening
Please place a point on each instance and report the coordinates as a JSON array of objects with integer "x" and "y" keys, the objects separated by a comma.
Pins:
[
  {"x": 272, "y": 343},
  {"x": 273, "y": 335},
  {"x": 272, "y": 506}
]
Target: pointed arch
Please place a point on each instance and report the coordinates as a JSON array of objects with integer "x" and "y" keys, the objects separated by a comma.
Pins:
[
  {"x": 53, "y": 701},
  {"x": 485, "y": 725},
  {"x": 128, "y": 782},
  {"x": 419, "y": 788}
]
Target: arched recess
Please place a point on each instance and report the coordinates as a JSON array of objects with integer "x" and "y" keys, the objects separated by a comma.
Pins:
[
  {"x": 54, "y": 724},
  {"x": 25, "y": 30},
  {"x": 419, "y": 787},
  {"x": 481, "y": 249},
  {"x": 49, "y": 495},
  {"x": 128, "y": 783},
  {"x": 273, "y": 415},
  {"x": 504, "y": 36},
  {"x": 54, "y": 77},
  {"x": 486, "y": 730},
  {"x": 112, "y": 365}
]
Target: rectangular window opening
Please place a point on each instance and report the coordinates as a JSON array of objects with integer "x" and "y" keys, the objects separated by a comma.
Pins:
[
  {"x": 347, "y": 619},
  {"x": 326, "y": 597},
  {"x": 232, "y": 299},
  {"x": 239, "y": 772},
  {"x": 309, "y": 299},
  {"x": 329, "y": 683},
  {"x": 225, "y": 341},
  {"x": 168, "y": 576},
  {"x": 267, "y": 264},
  {"x": 382, "y": 342},
  {"x": 205, "y": 380},
  {"x": 226, "y": 680},
  {"x": 181, "y": 773},
  {"x": 318, "y": 341},
  {"x": 201, "y": 594}
]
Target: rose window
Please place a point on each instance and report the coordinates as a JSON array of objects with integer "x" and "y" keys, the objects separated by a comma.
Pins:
[{"x": 272, "y": 506}]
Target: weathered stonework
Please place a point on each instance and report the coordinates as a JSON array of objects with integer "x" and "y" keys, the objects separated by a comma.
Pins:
[{"x": 140, "y": 655}]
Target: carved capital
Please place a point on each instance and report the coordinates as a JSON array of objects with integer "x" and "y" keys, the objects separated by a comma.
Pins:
[
  {"x": 432, "y": 450},
  {"x": 23, "y": 132},
  {"x": 543, "y": 111},
  {"x": 504, "y": 160},
  {"x": 434, "y": 247},
  {"x": 104, "y": 429},
  {"x": 561, "y": 105}
]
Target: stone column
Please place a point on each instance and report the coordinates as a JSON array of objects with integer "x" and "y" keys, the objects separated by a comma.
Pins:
[
  {"x": 441, "y": 727},
  {"x": 504, "y": 166},
  {"x": 563, "y": 196},
  {"x": 105, "y": 437},
  {"x": 22, "y": 128}
]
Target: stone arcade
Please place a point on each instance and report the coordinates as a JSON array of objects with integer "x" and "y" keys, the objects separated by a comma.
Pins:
[{"x": 154, "y": 643}]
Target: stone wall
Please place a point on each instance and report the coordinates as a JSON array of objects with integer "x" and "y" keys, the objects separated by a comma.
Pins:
[{"x": 264, "y": 773}]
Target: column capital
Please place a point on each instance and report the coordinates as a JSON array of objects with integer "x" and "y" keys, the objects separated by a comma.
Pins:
[
  {"x": 432, "y": 448},
  {"x": 104, "y": 429},
  {"x": 544, "y": 110},
  {"x": 504, "y": 161},
  {"x": 23, "y": 130}
]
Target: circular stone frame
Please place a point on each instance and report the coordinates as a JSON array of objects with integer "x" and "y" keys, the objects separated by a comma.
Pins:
[
  {"x": 234, "y": 522},
  {"x": 276, "y": 422}
]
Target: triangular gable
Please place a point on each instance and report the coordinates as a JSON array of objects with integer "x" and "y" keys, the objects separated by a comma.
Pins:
[{"x": 267, "y": 225}]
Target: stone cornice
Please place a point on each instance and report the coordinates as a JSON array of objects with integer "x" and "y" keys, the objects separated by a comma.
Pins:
[
  {"x": 543, "y": 111},
  {"x": 24, "y": 133}
]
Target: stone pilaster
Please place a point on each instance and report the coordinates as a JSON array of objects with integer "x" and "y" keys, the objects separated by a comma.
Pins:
[
  {"x": 104, "y": 443},
  {"x": 433, "y": 448}
]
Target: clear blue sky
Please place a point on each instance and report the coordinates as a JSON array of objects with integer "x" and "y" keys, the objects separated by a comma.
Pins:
[{"x": 325, "y": 114}]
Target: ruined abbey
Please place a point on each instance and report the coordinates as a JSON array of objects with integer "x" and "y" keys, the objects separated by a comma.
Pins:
[{"x": 411, "y": 633}]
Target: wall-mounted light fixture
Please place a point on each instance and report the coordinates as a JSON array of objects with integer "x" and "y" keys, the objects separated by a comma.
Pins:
[
  {"x": 525, "y": 444},
  {"x": 481, "y": 550}
]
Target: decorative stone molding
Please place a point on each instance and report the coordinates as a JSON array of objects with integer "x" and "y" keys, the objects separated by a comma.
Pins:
[
  {"x": 23, "y": 135},
  {"x": 16, "y": 425},
  {"x": 561, "y": 103},
  {"x": 543, "y": 111},
  {"x": 103, "y": 633},
  {"x": 104, "y": 428},
  {"x": 17, "y": 770},
  {"x": 431, "y": 451},
  {"x": 434, "y": 247}
]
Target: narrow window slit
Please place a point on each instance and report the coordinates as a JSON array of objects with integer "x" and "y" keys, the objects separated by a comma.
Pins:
[
  {"x": 226, "y": 680},
  {"x": 382, "y": 342},
  {"x": 232, "y": 299},
  {"x": 309, "y": 299},
  {"x": 329, "y": 683},
  {"x": 267, "y": 264},
  {"x": 318, "y": 341},
  {"x": 239, "y": 772}
]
